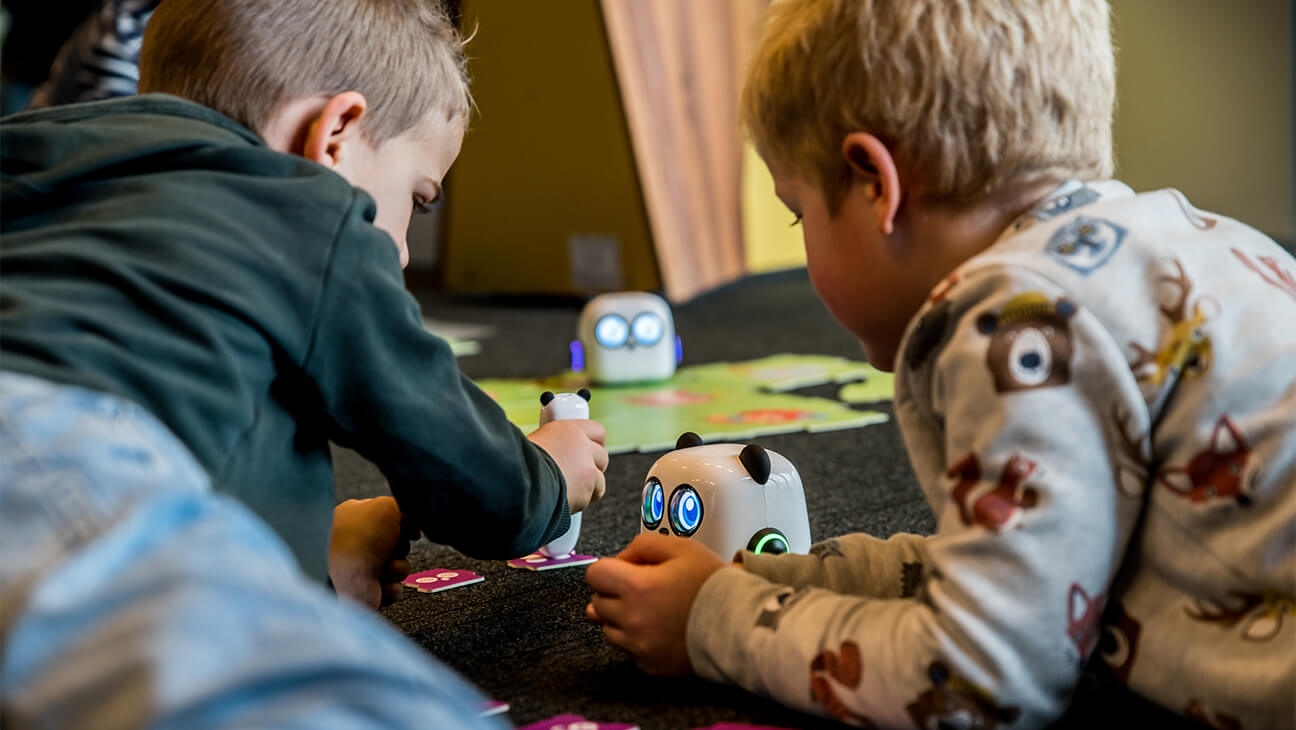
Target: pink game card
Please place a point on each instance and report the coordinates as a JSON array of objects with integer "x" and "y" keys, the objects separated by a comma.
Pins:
[
  {"x": 576, "y": 722},
  {"x": 536, "y": 561},
  {"x": 441, "y": 579},
  {"x": 557, "y": 722}
]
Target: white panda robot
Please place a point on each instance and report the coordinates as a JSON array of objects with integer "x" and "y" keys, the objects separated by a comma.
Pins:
[
  {"x": 626, "y": 337},
  {"x": 728, "y": 496},
  {"x": 552, "y": 408}
]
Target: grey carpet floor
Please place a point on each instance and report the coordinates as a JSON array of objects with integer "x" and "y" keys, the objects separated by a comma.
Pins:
[{"x": 522, "y": 636}]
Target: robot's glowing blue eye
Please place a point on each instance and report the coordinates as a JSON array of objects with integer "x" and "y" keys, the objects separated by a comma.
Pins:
[
  {"x": 647, "y": 328},
  {"x": 685, "y": 510},
  {"x": 654, "y": 503},
  {"x": 611, "y": 331}
]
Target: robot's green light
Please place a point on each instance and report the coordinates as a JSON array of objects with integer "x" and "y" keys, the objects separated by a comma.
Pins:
[{"x": 760, "y": 546}]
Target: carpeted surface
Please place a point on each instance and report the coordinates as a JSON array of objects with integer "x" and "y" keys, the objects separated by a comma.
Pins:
[{"x": 522, "y": 637}]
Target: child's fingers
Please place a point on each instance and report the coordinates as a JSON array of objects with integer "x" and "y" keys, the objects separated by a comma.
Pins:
[
  {"x": 609, "y": 577},
  {"x": 592, "y": 614},
  {"x": 600, "y": 488},
  {"x": 607, "y": 608},
  {"x": 650, "y": 548},
  {"x": 391, "y": 592},
  {"x": 593, "y": 430},
  {"x": 400, "y": 549},
  {"x": 601, "y": 458},
  {"x": 385, "y": 504},
  {"x": 618, "y": 637},
  {"x": 410, "y": 529},
  {"x": 395, "y": 571}
]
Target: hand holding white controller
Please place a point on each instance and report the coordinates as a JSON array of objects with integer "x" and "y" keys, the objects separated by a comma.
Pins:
[{"x": 553, "y": 408}]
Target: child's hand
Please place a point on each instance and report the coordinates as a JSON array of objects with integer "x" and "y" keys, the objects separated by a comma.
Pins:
[
  {"x": 576, "y": 445},
  {"x": 367, "y": 550},
  {"x": 643, "y": 597}
]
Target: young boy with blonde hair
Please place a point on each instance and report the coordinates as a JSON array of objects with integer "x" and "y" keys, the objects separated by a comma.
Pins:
[
  {"x": 202, "y": 289},
  {"x": 1095, "y": 388}
]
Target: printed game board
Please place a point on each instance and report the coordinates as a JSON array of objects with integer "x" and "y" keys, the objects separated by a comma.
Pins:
[{"x": 718, "y": 401}]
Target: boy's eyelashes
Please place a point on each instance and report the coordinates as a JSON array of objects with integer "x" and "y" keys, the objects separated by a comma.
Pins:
[{"x": 795, "y": 221}]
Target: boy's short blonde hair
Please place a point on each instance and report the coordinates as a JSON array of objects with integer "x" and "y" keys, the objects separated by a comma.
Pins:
[
  {"x": 968, "y": 95},
  {"x": 244, "y": 58}
]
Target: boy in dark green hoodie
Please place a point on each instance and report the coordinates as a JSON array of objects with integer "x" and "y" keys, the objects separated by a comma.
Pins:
[
  {"x": 215, "y": 255},
  {"x": 220, "y": 258}
]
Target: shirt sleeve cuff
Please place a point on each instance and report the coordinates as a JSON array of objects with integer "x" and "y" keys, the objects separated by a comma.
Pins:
[{"x": 717, "y": 630}]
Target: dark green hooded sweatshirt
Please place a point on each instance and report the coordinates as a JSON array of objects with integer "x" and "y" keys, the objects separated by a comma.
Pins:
[{"x": 154, "y": 249}]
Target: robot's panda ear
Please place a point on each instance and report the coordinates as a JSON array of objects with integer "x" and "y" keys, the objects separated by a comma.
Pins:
[
  {"x": 584, "y": 393},
  {"x": 756, "y": 461},
  {"x": 687, "y": 440},
  {"x": 545, "y": 397}
]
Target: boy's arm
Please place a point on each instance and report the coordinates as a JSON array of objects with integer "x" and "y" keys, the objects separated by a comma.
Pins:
[
  {"x": 393, "y": 392},
  {"x": 1031, "y": 531},
  {"x": 857, "y": 564}
]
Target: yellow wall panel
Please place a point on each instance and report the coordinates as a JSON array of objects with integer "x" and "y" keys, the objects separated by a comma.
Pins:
[
  {"x": 772, "y": 243},
  {"x": 547, "y": 158}
]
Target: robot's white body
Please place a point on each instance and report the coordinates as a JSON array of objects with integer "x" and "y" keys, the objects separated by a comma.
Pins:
[
  {"x": 626, "y": 337},
  {"x": 553, "y": 408},
  {"x": 729, "y": 497}
]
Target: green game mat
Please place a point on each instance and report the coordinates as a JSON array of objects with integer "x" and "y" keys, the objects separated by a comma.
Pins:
[{"x": 718, "y": 401}]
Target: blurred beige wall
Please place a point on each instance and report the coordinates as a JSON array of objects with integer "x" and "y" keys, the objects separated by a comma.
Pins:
[{"x": 1204, "y": 104}]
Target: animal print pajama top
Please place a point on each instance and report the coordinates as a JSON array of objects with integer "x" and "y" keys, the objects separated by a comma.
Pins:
[{"x": 1101, "y": 410}]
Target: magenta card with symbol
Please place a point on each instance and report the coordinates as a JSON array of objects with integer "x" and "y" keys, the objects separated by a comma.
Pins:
[
  {"x": 536, "y": 561},
  {"x": 557, "y": 722},
  {"x": 441, "y": 579},
  {"x": 576, "y": 722}
]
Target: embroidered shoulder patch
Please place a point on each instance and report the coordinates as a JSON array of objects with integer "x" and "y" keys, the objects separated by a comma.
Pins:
[
  {"x": 1085, "y": 244},
  {"x": 1030, "y": 342}
]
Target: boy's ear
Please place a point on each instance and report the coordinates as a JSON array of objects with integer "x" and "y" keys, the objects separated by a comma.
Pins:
[
  {"x": 870, "y": 160},
  {"x": 335, "y": 129}
]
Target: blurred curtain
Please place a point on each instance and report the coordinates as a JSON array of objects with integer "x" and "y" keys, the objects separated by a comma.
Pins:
[{"x": 680, "y": 66}]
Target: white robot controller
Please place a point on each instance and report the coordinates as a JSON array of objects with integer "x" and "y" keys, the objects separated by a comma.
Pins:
[{"x": 553, "y": 408}]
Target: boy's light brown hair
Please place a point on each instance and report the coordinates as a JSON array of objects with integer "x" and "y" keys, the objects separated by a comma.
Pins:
[
  {"x": 970, "y": 96},
  {"x": 244, "y": 58}
]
